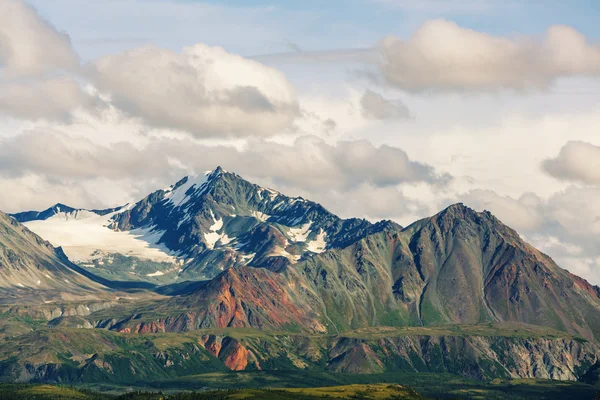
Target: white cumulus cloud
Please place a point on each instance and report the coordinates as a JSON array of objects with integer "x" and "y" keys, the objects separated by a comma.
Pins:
[
  {"x": 577, "y": 161},
  {"x": 203, "y": 90},
  {"x": 442, "y": 56}
]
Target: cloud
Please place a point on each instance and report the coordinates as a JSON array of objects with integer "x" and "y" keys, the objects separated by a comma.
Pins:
[
  {"x": 375, "y": 106},
  {"x": 333, "y": 56},
  {"x": 314, "y": 164},
  {"x": 352, "y": 178},
  {"x": 49, "y": 99},
  {"x": 37, "y": 64},
  {"x": 372, "y": 202},
  {"x": 309, "y": 162},
  {"x": 577, "y": 161},
  {"x": 61, "y": 157},
  {"x": 442, "y": 56},
  {"x": 30, "y": 46},
  {"x": 203, "y": 90},
  {"x": 521, "y": 214},
  {"x": 450, "y": 7},
  {"x": 576, "y": 211}
]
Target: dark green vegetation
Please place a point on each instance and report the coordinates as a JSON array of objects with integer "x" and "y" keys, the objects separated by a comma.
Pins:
[
  {"x": 33, "y": 353},
  {"x": 422, "y": 387},
  {"x": 376, "y": 391}
]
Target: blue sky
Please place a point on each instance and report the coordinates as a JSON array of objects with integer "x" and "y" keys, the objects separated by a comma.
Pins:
[{"x": 244, "y": 26}]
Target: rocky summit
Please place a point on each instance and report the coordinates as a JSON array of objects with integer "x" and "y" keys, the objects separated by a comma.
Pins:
[{"x": 215, "y": 273}]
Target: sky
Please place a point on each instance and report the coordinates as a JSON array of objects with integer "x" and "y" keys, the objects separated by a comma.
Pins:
[{"x": 382, "y": 109}]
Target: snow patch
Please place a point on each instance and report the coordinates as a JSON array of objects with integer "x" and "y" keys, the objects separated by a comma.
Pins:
[
  {"x": 218, "y": 223},
  {"x": 178, "y": 197},
  {"x": 211, "y": 239},
  {"x": 300, "y": 234},
  {"x": 225, "y": 239},
  {"x": 318, "y": 244},
  {"x": 247, "y": 258},
  {"x": 281, "y": 251},
  {"x": 272, "y": 194},
  {"x": 213, "y": 236},
  {"x": 157, "y": 273},
  {"x": 260, "y": 216}
]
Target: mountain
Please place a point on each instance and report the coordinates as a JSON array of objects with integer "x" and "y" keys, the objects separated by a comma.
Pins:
[
  {"x": 326, "y": 273},
  {"x": 197, "y": 228},
  {"x": 57, "y": 209},
  {"x": 32, "y": 267},
  {"x": 457, "y": 267},
  {"x": 256, "y": 280}
]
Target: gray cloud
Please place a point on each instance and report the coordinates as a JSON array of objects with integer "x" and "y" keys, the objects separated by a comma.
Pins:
[
  {"x": 352, "y": 178},
  {"x": 441, "y": 56},
  {"x": 60, "y": 157},
  {"x": 577, "y": 161},
  {"x": 522, "y": 214},
  {"x": 203, "y": 90},
  {"x": 309, "y": 162},
  {"x": 375, "y": 106},
  {"x": 49, "y": 99}
]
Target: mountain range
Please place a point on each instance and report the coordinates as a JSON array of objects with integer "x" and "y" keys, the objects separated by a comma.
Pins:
[{"x": 242, "y": 277}]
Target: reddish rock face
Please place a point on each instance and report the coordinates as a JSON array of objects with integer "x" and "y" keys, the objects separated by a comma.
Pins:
[
  {"x": 253, "y": 297},
  {"x": 233, "y": 354},
  {"x": 237, "y": 359},
  {"x": 212, "y": 344},
  {"x": 152, "y": 327},
  {"x": 585, "y": 286}
]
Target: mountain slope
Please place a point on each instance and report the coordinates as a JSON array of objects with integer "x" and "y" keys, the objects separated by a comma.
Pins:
[
  {"x": 31, "y": 266},
  {"x": 459, "y": 266},
  {"x": 476, "y": 269}
]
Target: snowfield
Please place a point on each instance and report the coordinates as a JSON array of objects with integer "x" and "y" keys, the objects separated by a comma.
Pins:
[{"x": 81, "y": 234}]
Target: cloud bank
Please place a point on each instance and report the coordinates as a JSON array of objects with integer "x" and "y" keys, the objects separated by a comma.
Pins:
[{"x": 442, "y": 56}]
